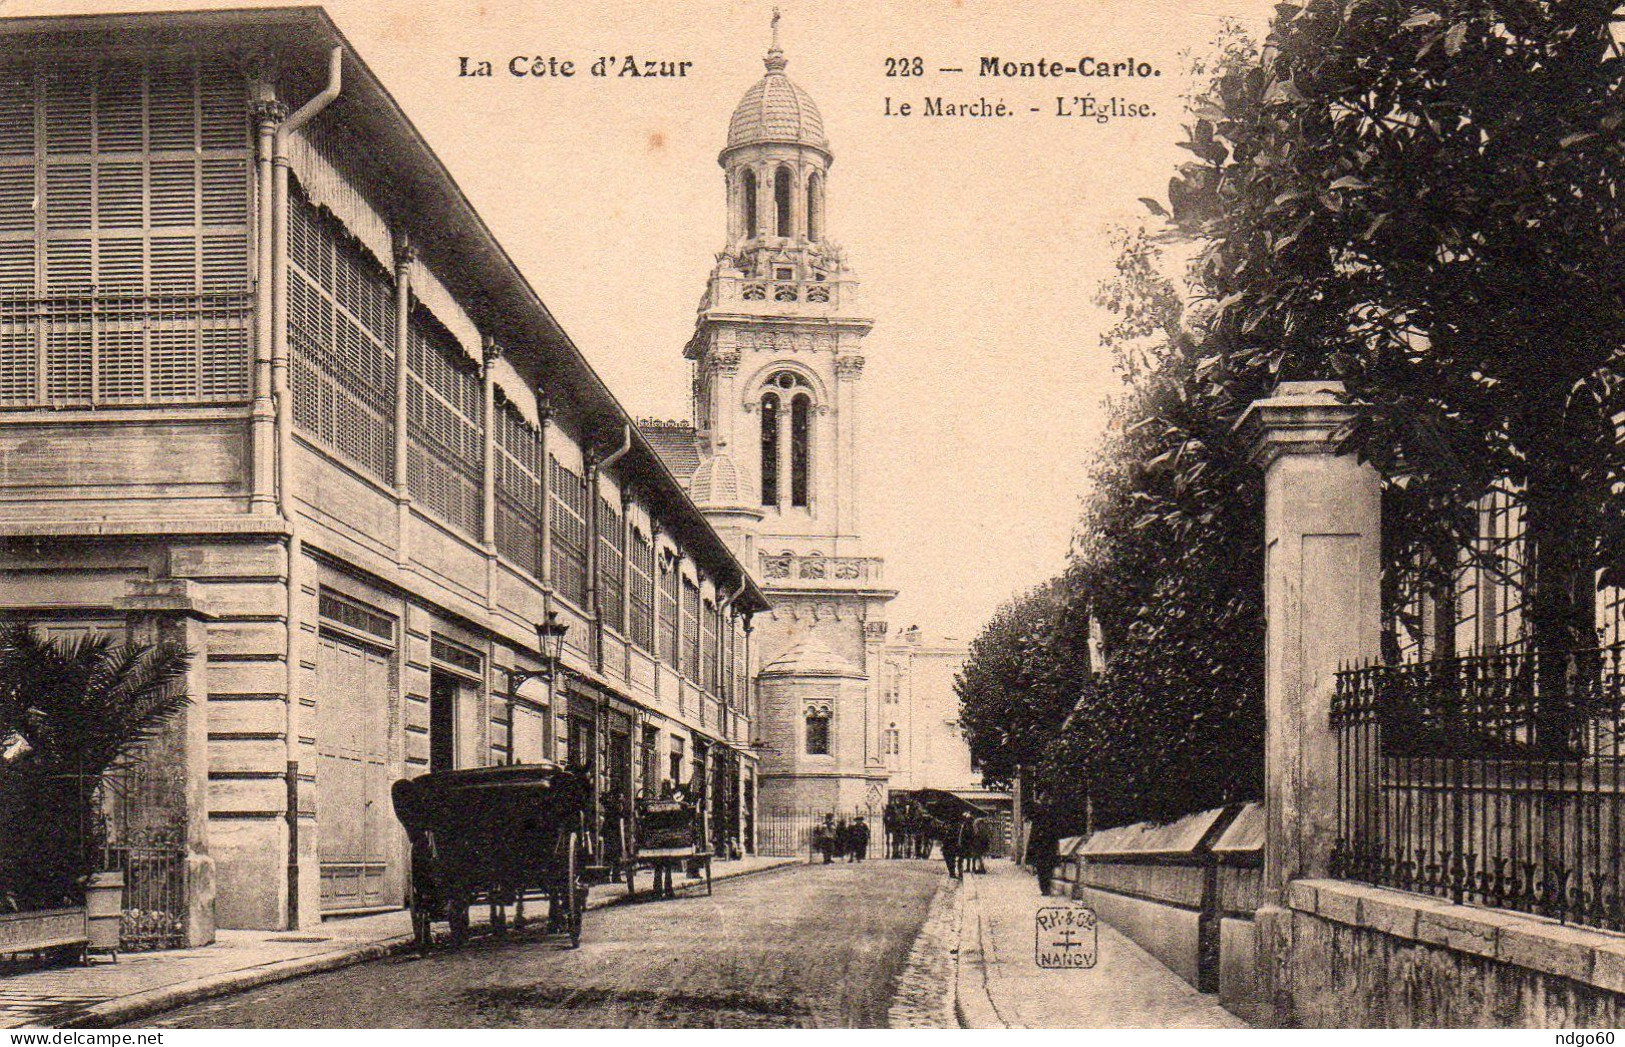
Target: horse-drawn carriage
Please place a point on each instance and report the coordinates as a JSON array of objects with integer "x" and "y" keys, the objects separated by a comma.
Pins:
[
  {"x": 668, "y": 832},
  {"x": 497, "y": 836}
]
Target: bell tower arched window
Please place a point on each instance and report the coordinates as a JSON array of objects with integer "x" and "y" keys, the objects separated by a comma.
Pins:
[
  {"x": 815, "y": 207},
  {"x": 787, "y": 438},
  {"x": 748, "y": 201},
  {"x": 800, "y": 449},
  {"x": 781, "y": 201},
  {"x": 770, "y": 449}
]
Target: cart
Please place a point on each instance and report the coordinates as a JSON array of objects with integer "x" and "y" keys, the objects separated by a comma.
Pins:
[
  {"x": 669, "y": 833},
  {"x": 496, "y": 836}
]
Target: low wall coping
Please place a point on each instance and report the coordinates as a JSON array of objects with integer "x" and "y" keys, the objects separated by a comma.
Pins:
[
  {"x": 1537, "y": 943},
  {"x": 1143, "y": 839},
  {"x": 1245, "y": 835}
]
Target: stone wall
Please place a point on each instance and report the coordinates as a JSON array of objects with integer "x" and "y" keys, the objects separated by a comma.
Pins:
[
  {"x": 1183, "y": 892},
  {"x": 1365, "y": 957}
]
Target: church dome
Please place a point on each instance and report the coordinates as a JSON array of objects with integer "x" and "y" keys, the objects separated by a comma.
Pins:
[
  {"x": 811, "y": 658},
  {"x": 777, "y": 111},
  {"x": 719, "y": 483}
]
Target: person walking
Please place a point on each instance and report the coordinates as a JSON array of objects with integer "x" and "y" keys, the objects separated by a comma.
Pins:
[
  {"x": 824, "y": 838},
  {"x": 860, "y": 838},
  {"x": 1043, "y": 847}
]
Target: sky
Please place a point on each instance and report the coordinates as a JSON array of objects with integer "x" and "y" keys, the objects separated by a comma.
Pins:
[{"x": 980, "y": 242}]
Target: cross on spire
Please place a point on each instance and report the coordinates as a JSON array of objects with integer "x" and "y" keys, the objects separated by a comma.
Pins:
[{"x": 775, "y": 60}]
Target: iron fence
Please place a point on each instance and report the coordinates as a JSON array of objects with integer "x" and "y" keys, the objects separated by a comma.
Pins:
[
  {"x": 1491, "y": 779},
  {"x": 787, "y": 832},
  {"x": 145, "y": 839}
]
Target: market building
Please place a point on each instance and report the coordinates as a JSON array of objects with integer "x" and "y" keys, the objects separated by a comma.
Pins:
[{"x": 269, "y": 386}]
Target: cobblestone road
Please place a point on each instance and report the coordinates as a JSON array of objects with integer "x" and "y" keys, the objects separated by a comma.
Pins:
[{"x": 806, "y": 946}]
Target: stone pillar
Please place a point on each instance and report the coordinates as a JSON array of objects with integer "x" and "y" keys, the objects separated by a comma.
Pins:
[
  {"x": 848, "y": 370},
  {"x": 166, "y": 610},
  {"x": 1322, "y": 567}
]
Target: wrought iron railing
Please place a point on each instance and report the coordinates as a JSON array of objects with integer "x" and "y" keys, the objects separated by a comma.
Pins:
[{"x": 1491, "y": 780}]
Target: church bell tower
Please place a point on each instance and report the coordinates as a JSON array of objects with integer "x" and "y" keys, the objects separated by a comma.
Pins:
[{"x": 778, "y": 369}]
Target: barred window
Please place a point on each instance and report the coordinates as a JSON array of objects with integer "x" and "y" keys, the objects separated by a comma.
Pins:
[
  {"x": 668, "y": 613},
  {"x": 445, "y": 402},
  {"x": 341, "y": 336},
  {"x": 569, "y": 509},
  {"x": 708, "y": 648},
  {"x": 519, "y": 490},
  {"x": 643, "y": 591},
  {"x": 123, "y": 233},
  {"x": 611, "y": 564},
  {"x": 691, "y": 631}
]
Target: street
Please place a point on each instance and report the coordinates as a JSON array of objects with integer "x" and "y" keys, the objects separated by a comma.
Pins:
[{"x": 805, "y": 946}]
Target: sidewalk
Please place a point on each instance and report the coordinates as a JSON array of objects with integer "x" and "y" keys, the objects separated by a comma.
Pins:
[
  {"x": 999, "y": 984},
  {"x": 140, "y": 984}
]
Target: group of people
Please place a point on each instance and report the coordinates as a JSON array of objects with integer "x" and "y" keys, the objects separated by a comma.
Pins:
[
  {"x": 911, "y": 831},
  {"x": 965, "y": 845},
  {"x": 838, "y": 838}
]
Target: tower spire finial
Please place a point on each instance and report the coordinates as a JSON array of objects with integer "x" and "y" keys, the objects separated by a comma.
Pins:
[{"x": 775, "y": 60}]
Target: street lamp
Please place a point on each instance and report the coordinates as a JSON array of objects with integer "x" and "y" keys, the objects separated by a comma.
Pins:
[{"x": 550, "y": 644}]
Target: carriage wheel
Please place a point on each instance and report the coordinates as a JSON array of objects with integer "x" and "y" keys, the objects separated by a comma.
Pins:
[{"x": 575, "y": 893}]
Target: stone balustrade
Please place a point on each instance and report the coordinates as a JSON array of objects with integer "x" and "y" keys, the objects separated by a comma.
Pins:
[{"x": 789, "y": 568}]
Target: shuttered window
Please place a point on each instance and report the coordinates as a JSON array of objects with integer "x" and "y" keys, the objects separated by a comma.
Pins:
[
  {"x": 341, "y": 334},
  {"x": 709, "y": 678},
  {"x": 741, "y": 681},
  {"x": 519, "y": 490},
  {"x": 611, "y": 564},
  {"x": 569, "y": 517},
  {"x": 691, "y": 630},
  {"x": 124, "y": 197},
  {"x": 445, "y": 404},
  {"x": 643, "y": 591},
  {"x": 668, "y": 614}
]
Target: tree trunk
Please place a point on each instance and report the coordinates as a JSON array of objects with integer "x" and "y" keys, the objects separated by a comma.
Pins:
[{"x": 1560, "y": 587}]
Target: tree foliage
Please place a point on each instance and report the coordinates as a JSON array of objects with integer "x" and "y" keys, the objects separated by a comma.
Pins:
[
  {"x": 1422, "y": 197},
  {"x": 1020, "y": 680}
]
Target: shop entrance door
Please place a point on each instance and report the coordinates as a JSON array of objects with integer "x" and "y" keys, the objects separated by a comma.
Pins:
[{"x": 355, "y": 825}]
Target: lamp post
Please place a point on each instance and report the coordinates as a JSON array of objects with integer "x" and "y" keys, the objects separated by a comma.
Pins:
[{"x": 550, "y": 644}]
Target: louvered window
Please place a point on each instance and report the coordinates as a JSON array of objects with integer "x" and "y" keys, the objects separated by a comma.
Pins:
[
  {"x": 341, "y": 335},
  {"x": 668, "y": 614},
  {"x": 643, "y": 591},
  {"x": 568, "y": 505},
  {"x": 691, "y": 630},
  {"x": 741, "y": 681},
  {"x": 446, "y": 411},
  {"x": 611, "y": 565},
  {"x": 708, "y": 647},
  {"x": 124, "y": 196},
  {"x": 519, "y": 490}
]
